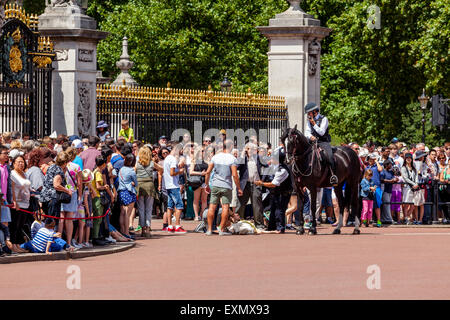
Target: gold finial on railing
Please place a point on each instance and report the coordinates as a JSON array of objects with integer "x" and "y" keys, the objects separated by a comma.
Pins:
[
  {"x": 168, "y": 89},
  {"x": 14, "y": 11},
  {"x": 123, "y": 88},
  {"x": 209, "y": 93}
]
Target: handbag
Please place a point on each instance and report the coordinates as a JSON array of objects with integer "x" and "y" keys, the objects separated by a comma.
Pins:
[
  {"x": 104, "y": 198},
  {"x": 195, "y": 181},
  {"x": 63, "y": 197}
]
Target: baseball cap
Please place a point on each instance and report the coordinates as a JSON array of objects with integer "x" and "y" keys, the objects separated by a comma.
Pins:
[
  {"x": 363, "y": 153},
  {"x": 73, "y": 138},
  {"x": 15, "y": 153},
  {"x": 387, "y": 161},
  {"x": 162, "y": 137},
  {"x": 77, "y": 144}
]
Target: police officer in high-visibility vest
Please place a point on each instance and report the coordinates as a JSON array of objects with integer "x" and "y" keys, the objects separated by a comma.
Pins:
[
  {"x": 280, "y": 191},
  {"x": 317, "y": 130}
]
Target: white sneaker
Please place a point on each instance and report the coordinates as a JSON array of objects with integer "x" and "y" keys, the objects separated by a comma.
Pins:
[
  {"x": 111, "y": 239},
  {"x": 76, "y": 245},
  {"x": 88, "y": 245}
]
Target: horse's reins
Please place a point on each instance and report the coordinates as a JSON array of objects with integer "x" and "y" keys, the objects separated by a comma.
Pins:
[{"x": 297, "y": 157}]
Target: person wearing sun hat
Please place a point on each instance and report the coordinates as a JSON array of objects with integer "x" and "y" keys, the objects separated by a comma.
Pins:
[
  {"x": 85, "y": 210},
  {"x": 102, "y": 130}
]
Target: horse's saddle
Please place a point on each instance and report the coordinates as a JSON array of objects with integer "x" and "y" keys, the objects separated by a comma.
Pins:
[{"x": 321, "y": 153}]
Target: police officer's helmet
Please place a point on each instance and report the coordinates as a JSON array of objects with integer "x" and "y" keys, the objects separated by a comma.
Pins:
[{"x": 311, "y": 107}]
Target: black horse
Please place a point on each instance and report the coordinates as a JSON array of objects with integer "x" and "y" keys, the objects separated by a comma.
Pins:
[{"x": 309, "y": 171}]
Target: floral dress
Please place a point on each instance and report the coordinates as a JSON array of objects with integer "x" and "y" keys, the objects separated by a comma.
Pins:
[{"x": 48, "y": 192}]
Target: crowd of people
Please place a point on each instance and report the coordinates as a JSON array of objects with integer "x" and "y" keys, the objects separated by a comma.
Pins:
[{"x": 72, "y": 192}]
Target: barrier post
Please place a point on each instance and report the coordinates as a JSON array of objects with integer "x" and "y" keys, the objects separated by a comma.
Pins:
[{"x": 435, "y": 185}]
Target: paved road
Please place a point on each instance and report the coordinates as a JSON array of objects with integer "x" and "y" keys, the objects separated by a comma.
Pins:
[{"x": 414, "y": 264}]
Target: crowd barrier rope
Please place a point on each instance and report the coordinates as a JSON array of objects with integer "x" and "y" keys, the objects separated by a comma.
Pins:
[{"x": 59, "y": 218}]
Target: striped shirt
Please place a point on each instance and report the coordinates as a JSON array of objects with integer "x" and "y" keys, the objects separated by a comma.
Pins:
[{"x": 42, "y": 237}]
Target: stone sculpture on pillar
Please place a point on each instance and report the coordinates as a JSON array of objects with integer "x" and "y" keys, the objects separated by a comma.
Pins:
[
  {"x": 75, "y": 36},
  {"x": 294, "y": 59},
  {"x": 314, "y": 54}
]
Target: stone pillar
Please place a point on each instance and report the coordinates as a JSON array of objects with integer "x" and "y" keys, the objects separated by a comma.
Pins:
[
  {"x": 75, "y": 36},
  {"x": 294, "y": 59}
]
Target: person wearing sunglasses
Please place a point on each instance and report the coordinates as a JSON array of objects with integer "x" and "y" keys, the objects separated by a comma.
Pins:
[
  {"x": 206, "y": 141},
  {"x": 447, "y": 151}
]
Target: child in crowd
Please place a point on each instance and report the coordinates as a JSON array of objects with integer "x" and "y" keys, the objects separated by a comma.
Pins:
[
  {"x": 46, "y": 240},
  {"x": 36, "y": 225},
  {"x": 85, "y": 210},
  {"x": 396, "y": 196},
  {"x": 367, "y": 194},
  {"x": 126, "y": 131}
]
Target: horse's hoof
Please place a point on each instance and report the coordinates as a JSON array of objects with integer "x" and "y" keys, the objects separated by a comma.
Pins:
[
  {"x": 300, "y": 232},
  {"x": 356, "y": 231},
  {"x": 336, "y": 231}
]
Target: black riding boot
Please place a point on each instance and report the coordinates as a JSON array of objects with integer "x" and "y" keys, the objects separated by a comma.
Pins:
[{"x": 329, "y": 155}]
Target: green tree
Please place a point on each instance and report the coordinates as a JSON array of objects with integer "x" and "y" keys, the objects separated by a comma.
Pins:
[
  {"x": 370, "y": 77},
  {"x": 190, "y": 43},
  {"x": 34, "y": 6}
]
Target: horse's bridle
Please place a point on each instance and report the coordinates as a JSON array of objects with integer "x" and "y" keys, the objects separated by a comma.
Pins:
[{"x": 296, "y": 157}]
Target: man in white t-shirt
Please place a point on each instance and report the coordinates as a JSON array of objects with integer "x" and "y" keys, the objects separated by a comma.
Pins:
[
  {"x": 172, "y": 170},
  {"x": 225, "y": 169}
]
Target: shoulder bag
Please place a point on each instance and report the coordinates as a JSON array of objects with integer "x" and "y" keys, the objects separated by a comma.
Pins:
[
  {"x": 64, "y": 197},
  {"x": 195, "y": 181}
]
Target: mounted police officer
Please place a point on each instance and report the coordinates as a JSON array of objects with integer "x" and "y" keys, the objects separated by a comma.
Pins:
[
  {"x": 280, "y": 191},
  {"x": 317, "y": 130}
]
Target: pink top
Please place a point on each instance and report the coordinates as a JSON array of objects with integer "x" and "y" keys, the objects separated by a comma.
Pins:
[
  {"x": 4, "y": 180},
  {"x": 398, "y": 187}
]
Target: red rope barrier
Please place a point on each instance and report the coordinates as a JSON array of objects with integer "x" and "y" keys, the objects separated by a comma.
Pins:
[{"x": 46, "y": 216}]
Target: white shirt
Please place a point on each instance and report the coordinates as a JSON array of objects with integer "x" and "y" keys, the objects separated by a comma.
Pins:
[
  {"x": 21, "y": 189},
  {"x": 320, "y": 130},
  {"x": 280, "y": 176},
  {"x": 169, "y": 181},
  {"x": 252, "y": 169}
]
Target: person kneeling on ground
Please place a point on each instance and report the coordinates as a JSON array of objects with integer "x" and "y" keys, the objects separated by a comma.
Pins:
[{"x": 46, "y": 240}]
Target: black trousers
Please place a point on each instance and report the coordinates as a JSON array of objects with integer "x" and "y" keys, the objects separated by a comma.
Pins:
[
  {"x": 326, "y": 147},
  {"x": 17, "y": 226},
  {"x": 278, "y": 206}
]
